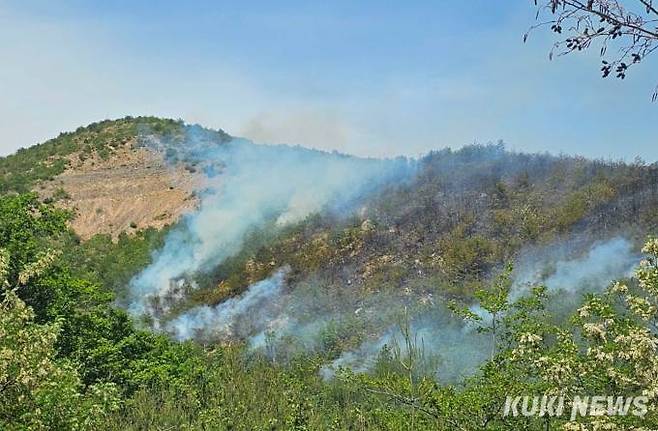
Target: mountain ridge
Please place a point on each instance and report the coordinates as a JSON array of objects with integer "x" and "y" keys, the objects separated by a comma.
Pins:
[{"x": 103, "y": 171}]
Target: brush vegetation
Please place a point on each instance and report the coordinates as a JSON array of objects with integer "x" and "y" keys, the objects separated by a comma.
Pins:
[
  {"x": 21, "y": 171},
  {"x": 71, "y": 358}
]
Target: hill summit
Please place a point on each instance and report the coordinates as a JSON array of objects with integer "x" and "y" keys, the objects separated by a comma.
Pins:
[{"x": 107, "y": 176}]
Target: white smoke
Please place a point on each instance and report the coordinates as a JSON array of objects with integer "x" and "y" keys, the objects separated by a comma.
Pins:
[
  {"x": 247, "y": 186},
  {"x": 363, "y": 358},
  {"x": 446, "y": 347},
  {"x": 602, "y": 263},
  {"x": 222, "y": 320},
  {"x": 459, "y": 348}
]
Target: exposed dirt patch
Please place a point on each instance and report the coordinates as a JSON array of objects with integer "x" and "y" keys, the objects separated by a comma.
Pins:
[{"x": 131, "y": 189}]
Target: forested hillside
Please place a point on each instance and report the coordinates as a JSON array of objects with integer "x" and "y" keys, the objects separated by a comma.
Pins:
[{"x": 312, "y": 290}]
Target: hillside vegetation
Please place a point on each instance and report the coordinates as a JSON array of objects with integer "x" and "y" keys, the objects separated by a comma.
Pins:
[
  {"x": 443, "y": 238},
  {"x": 21, "y": 171}
]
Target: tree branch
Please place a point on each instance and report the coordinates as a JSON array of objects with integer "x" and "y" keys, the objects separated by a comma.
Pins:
[{"x": 413, "y": 403}]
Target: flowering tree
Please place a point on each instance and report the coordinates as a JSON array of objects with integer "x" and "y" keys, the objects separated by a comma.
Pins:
[
  {"x": 607, "y": 349},
  {"x": 36, "y": 390}
]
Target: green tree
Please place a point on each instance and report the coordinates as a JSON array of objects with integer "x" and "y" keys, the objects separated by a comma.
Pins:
[{"x": 38, "y": 391}]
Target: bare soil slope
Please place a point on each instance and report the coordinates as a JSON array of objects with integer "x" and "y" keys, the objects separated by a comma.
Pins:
[{"x": 131, "y": 189}]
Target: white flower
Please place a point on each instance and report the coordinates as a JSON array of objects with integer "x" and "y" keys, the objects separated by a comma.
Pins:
[
  {"x": 595, "y": 330},
  {"x": 584, "y": 311},
  {"x": 619, "y": 287},
  {"x": 651, "y": 247}
]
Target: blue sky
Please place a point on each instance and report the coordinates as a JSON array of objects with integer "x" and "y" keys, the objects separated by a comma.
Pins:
[{"x": 368, "y": 77}]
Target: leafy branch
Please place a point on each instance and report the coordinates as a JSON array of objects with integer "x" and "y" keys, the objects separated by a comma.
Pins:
[{"x": 629, "y": 28}]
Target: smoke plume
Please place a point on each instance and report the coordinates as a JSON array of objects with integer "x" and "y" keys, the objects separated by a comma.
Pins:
[
  {"x": 556, "y": 268},
  {"x": 223, "y": 320},
  {"x": 457, "y": 349},
  {"x": 247, "y": 185}
]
